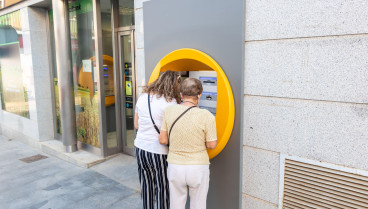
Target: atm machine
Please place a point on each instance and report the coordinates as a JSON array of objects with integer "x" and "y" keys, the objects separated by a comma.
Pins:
[
  {"x": 208, "y": 99},
  {"x": 205, "y": 38}
]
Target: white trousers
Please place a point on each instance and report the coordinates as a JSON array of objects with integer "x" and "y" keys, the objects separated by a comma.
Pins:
[{"x": 196, "y": 178}]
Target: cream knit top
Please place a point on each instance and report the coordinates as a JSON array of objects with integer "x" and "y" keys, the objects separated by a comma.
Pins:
[{"x": 189, "y": 135}]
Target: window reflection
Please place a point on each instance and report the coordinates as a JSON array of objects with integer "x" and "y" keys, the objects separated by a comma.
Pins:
[
  {"x": 126, "y": 13},
  {"x": 55, "y": 78},
  {"x": 13, "y": 81},
  {"x": 85, "y": 71},
  {"x": 108, "y": 72}
]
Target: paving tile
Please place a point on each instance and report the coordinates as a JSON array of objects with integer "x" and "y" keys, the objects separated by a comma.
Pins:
[
  {"x": 38, "y": 205},
  {"x": 80, "y": 194},
  {"x": 122, "y": 168},
  {"x": 7, "y": 187},
  {"x": 53, "y": 183},
  {"x": 58, "y": 202},
  {"x": 131, "y": 202}
]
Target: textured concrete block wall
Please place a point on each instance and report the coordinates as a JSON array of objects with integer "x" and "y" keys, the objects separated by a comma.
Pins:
[
  {"x": 43, "y": 78},
  {"x": 306, "y": 82}
]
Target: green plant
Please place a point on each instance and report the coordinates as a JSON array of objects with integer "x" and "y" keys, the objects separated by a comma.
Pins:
[
  {"x": 58, "y": 123},
  {"x": 81, "y": 132}
]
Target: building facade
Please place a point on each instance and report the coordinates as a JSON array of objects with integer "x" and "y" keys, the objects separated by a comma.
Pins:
[
  {"x": 32, "y": 103},
  {"x": 72, "y": 71}
]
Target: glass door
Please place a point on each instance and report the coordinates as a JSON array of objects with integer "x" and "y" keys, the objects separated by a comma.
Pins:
[{"x": 128, "y": 88}]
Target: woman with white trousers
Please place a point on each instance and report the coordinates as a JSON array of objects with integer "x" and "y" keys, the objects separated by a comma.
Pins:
[{"x": 189, "y": 131}]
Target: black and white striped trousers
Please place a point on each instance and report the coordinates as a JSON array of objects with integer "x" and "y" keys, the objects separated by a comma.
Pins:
[{"x": 152, "y": 170}]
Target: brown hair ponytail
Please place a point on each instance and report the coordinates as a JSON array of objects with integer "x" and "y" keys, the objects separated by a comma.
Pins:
[{"x": 167, "y": 85}]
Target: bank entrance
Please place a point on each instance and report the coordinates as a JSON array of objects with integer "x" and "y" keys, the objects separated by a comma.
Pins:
[
  {"x": 117, "y": 77},
  {"x": 121, "y": 132},
  {"x": 102, "y": 53}
]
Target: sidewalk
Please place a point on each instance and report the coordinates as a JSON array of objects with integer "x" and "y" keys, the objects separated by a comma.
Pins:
[{"x": 52, "y": 183}]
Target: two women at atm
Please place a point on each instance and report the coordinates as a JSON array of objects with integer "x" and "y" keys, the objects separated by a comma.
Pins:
[
  {"x": 151, "y": 155},
  {"x": 189, "y": 131}
]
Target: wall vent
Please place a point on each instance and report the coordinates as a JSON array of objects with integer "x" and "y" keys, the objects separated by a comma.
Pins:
[{"x": 309, "y": 185}]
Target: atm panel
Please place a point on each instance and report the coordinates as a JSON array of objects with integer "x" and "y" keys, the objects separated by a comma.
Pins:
[
  {"x": 208, "y": 99},
  {"x": 209, "y": 96}
]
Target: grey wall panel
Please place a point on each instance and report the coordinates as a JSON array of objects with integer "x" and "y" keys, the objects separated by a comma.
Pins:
[
  {"x": 278, "y": 19},
  {"x": 329, "y": 68},
  {"x": 38, "y": 26},
  {"x": 325, "y": 131},
  {"x": 216, "y": 28},
  {"x": 261, "y": 174},
  {"x": 12, "y": 125},
  {"x": 255, "y": 203}
]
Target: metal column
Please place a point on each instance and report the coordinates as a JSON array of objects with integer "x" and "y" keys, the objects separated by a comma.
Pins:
[{"x": 65, "y": 74}]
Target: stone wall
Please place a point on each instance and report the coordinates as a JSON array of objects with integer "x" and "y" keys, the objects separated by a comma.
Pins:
[{"x": 306, "y": 84}]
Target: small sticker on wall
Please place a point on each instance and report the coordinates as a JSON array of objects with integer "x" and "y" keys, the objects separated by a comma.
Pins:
[
  {"x": 87, "y": 66},
  {"x": 128, "y": 88}
]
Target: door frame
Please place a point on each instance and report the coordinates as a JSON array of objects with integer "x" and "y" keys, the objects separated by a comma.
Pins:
[
  {"x": 123, "y": 139},
  {"x": 120, "y": 134}
]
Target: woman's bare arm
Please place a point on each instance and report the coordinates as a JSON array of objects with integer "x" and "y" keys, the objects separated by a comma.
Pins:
[
  {"x": 163, "y": 138},
  {"x": 136, "y": 117},
  {"x": 211, "y": 144}
]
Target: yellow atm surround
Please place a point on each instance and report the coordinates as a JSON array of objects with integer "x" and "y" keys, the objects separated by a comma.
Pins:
[{"x": 194, "y": 60}]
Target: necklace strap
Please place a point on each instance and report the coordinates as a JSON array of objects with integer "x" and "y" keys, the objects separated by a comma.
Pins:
[{"x": 190, "y": 102}]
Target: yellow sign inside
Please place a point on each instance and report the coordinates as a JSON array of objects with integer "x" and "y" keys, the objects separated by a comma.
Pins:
[{"x": 128, "y": 88}]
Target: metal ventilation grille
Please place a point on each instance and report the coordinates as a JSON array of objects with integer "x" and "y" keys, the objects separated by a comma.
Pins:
[{"x": 312, "y": 186}]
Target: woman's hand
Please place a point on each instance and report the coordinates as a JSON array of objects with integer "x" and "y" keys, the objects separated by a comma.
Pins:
[
  {"x": 163, "y": 138},
  {"x": 211, "y": 144}
]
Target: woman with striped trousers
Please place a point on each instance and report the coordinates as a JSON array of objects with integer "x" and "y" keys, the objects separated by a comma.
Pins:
[{"x": 151, "y": 155}]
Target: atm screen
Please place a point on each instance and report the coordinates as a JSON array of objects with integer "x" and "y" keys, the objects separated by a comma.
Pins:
[{"x": 208, "y": 99}]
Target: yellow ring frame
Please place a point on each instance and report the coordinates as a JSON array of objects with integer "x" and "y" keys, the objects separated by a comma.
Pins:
[{"x": 225, "y": 109}]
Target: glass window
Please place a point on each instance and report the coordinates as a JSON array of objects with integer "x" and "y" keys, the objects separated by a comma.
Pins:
[
  {"x": 108, "y": 68},
  {"x": 14, "y": 95},
  {"x": 54, "y": 68},
  {"x": 85, "y": 71},
  {"x": 129, "y": 78},
  {"x": 126, "y": 13}
]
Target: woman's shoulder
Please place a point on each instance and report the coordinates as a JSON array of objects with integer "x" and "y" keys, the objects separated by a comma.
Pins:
[
  {"x": 163, "y": 100},
  {"x": 174, "y": 107},
  {"x": 204, "y": 112},
  {"x": 143, "y": 95}
]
